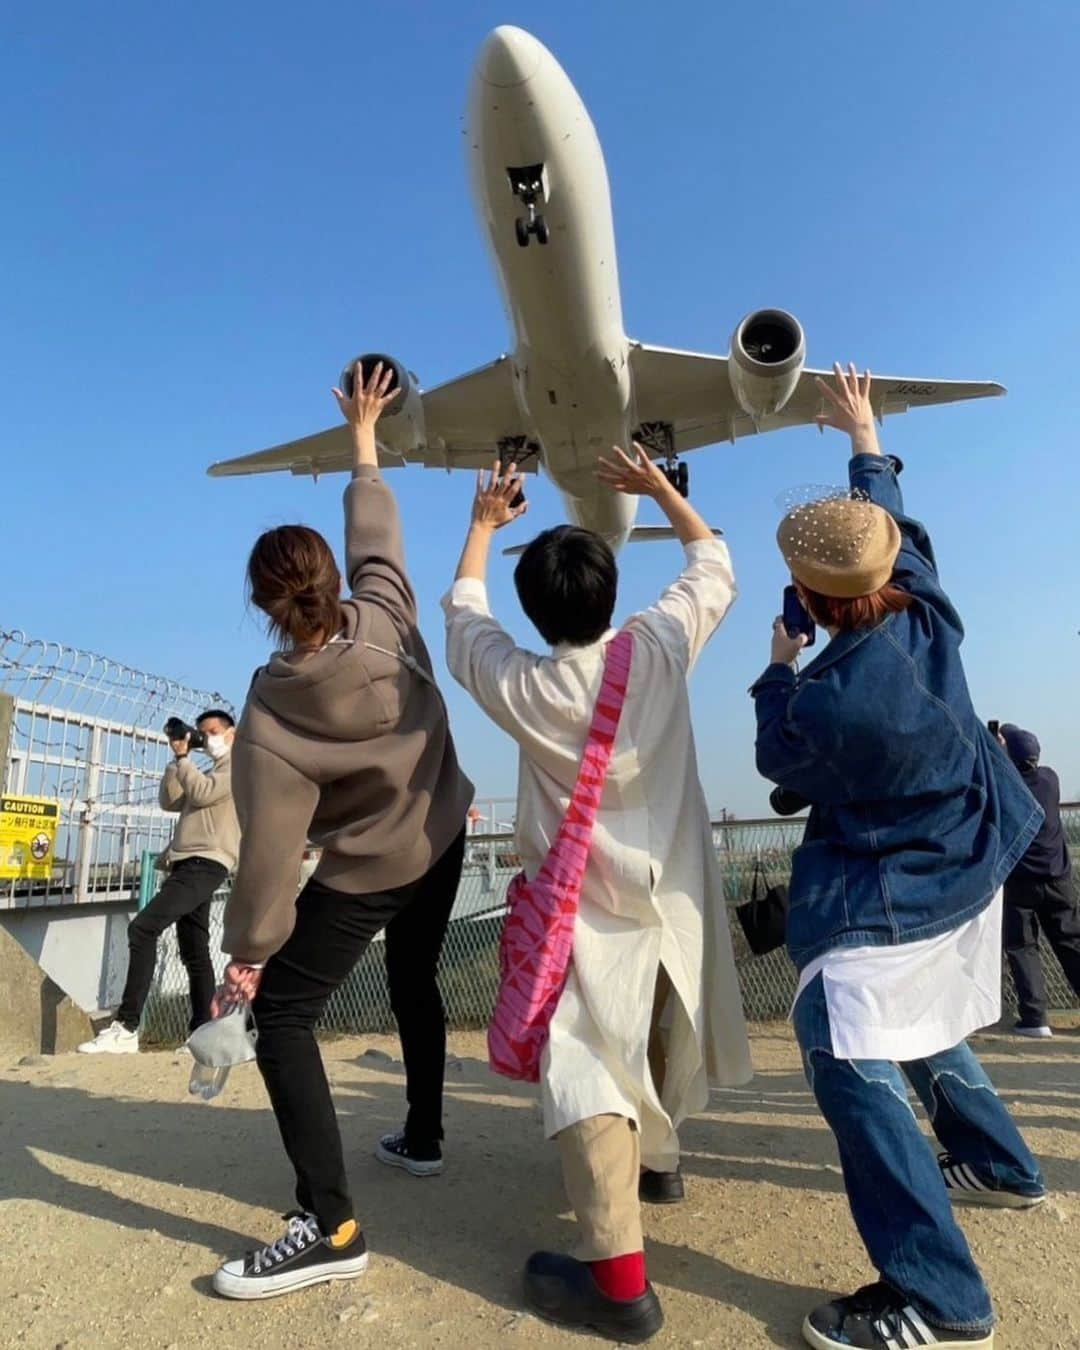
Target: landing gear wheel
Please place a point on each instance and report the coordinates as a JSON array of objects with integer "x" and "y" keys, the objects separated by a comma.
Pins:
[
  {"x": 540, "y": 229},
  {"x": 521, "y": 228},
  {"x": 682, "y": 480}
]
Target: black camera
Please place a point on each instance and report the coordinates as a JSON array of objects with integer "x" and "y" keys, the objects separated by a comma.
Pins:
[{"x": 177, "y": 729}]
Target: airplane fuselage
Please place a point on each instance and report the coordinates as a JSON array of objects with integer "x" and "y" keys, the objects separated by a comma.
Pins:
[{"x": 571, "y": 353}]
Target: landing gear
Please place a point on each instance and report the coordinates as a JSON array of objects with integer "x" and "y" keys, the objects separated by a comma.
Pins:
[
  {"x": 529, "y": 186},
  {"x": 517, "y": 450},
  {"x": 659, "y": 439}
]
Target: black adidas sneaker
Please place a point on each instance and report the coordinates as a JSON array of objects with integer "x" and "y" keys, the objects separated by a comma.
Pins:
[
  {"x": 304, "y": 1256},
  {"x": 967, "y": 1186},
  {"x": 879, "y": 1317},
  {"x": 396, "y": 1151}
]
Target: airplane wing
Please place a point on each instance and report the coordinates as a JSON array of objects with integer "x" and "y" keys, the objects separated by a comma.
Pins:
[
  {"x": 463, "y": 422},
  {"x": 691, "y": 392}
]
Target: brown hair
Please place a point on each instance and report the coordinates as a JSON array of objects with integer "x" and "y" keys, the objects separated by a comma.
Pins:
[
  {"x": 293, "y": 578},
  {"x": 864, "y": 611}
]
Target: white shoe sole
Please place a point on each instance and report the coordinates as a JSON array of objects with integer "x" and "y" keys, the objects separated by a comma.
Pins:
[
  {"x": 271, "y": 1286},
  {"x": 1034, "y": 1033},
  {"x": 410, "y": 1165},
  {"x": 92, "y": 1049},
  {"x": 814, "y": 1337},
  {"x": 996, "y": 1199}
]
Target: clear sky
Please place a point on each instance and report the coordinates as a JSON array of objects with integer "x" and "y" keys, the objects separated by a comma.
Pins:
[{"x": 208, "y": 208}]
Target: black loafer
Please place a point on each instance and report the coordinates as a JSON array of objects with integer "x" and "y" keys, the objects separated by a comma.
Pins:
[
  {"x": 563, "y": 1290},
  {"x": 661, "y": 1188}
]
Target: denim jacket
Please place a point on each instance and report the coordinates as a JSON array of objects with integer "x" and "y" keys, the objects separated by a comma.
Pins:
[{"x": 917, "y": 814}]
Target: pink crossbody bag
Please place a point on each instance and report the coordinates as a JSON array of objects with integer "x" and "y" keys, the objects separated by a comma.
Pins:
[{"x": 538, "y": 935}]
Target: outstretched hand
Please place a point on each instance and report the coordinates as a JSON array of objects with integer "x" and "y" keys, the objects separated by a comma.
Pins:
[
  {"x": 496, "y": 494},
  {"x": 638, "y": 477},
  {"x": 849, "y": 397},
  {"x": 368, "y": 401}
]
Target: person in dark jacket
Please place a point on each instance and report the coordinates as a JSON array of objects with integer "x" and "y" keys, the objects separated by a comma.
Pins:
[
  {"x": 1040, "y": 895},
  {"x": 917, "y": 817}
]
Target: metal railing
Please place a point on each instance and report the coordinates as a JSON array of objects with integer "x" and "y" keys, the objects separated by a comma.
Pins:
[
  {"x": 469, "y": 970},
  {"x": 86, "y": 731}
]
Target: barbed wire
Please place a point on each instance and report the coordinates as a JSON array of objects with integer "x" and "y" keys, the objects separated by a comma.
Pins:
[{"x": 70, "y": 679}]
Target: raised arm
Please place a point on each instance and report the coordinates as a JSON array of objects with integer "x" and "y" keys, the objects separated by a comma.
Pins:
[
  {"x": 374, "y": 547},
  {"x": 204, "y": 789},
  {"x": 170, "y": 793},
  {"x": 481, "y": 656},
  {"x": 691, "y": 609},
  {"x": 872, "y": 474}
]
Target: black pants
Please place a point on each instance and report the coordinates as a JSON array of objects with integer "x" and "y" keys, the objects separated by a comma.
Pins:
[
  {"x": 184, "y": 900},
  {"x": 332, "y": 932},
  {"x": 1050, "y": 905}
]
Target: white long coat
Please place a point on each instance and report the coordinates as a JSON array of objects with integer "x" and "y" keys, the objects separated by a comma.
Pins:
[{"x": 652, "y": 893}]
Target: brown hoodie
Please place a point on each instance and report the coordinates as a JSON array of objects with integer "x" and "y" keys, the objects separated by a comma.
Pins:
[{"x": 350, "y": 748}]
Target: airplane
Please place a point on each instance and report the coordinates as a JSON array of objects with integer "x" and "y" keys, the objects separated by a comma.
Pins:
[{"x": 575, "y": 384}]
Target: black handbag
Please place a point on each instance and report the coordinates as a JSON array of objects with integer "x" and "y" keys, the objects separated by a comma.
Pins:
[{"x": 764, "y": 916}]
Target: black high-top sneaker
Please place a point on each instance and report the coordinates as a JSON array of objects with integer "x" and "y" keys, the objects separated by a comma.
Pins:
[
  {"x": 419, "y": 1161},
  {"x": 303, "y": 1256},
  {"x": 879, "y": 1317}
]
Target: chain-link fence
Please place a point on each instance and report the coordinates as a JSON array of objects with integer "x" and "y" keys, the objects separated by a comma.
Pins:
[{"x": 469, "y": 968}]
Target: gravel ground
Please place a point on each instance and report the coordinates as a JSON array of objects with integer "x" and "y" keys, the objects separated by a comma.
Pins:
[{"x": 120, "y": 1194}]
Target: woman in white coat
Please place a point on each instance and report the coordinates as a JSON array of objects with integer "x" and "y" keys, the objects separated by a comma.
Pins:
[{"x": 652, "y": 959}]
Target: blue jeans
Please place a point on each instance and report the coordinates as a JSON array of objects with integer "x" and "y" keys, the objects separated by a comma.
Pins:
[{"x": 894, "y": 1185}]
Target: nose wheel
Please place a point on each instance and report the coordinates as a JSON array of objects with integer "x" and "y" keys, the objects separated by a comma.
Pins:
[{"x": 529, "y": 186}]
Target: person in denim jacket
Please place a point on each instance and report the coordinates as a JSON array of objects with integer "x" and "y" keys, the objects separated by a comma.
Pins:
[{"x": 917, "y": 817}]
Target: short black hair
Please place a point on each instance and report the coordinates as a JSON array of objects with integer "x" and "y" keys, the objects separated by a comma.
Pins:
[
  {"x": 219, "y": 713},
  {"x": 566, "y": 581}
]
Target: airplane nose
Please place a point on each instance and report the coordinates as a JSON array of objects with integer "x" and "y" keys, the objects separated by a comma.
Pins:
[{"x": 509, "y": 57}]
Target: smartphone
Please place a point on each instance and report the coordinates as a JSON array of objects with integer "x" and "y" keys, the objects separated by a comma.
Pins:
[
  {"x": 994, "y": 728},
  {"x": 797, "y": 617}
]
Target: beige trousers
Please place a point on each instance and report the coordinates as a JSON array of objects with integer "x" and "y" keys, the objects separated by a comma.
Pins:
[{"x": 601, "y": 1163}]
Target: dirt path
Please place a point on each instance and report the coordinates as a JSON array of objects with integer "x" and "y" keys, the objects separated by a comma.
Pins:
[{"x": 119, "y": 1195}]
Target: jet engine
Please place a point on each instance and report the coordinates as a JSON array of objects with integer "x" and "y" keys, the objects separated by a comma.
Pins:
[
  {"x": 767, "y": 356},
  {"x": 403, "y": 419}
]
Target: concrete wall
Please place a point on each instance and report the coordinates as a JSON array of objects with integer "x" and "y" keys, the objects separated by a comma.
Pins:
[{"x": 81, "y": 948}]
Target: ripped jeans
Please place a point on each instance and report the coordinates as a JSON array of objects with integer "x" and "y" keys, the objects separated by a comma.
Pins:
[{"x": 894, "y": 1185}]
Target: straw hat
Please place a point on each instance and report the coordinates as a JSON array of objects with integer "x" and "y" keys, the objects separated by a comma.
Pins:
[{"x": 842, "y": 547}]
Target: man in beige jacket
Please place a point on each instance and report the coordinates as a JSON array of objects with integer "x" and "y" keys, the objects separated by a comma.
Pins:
[{"x": 201, "y": 854}]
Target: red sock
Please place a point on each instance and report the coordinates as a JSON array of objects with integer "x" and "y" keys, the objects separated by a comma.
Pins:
[{"x": 621, "y": 1277}]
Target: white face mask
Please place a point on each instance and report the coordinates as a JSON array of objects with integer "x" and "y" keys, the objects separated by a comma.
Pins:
[{"x": 217, "y": 747}]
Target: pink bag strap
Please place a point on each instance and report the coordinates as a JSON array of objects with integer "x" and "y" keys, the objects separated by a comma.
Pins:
[{"x": 569, "y": 853}]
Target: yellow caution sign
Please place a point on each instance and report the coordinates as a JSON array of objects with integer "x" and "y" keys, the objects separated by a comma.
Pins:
[{"x": 27, "y": 837}]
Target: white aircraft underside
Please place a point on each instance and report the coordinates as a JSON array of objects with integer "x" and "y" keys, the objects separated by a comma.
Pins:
[{"x": 575, "y": 384}]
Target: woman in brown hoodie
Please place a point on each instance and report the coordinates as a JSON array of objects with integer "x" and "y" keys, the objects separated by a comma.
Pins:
[{"x": 344, "y": 740}]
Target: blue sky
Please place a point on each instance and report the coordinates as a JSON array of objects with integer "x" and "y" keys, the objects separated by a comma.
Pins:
[{"x": 208, "y": 210}]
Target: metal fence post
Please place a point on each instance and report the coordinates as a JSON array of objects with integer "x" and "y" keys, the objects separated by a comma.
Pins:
[{"x": 146, "y": 877}]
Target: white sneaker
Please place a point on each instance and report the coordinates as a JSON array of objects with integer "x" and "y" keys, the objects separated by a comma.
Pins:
[
  {"x": 113, "y": 1040},
  {"x": 1035, "y": 1033}
]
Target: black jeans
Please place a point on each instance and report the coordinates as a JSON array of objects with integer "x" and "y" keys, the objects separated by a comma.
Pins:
[
  {"x": 1049, "y": 904},
  {"x": 333, "y": 930},
  {"x": 184, "y": 900}
]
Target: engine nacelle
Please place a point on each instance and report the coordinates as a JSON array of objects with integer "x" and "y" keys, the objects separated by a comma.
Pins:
[
  {"x": 768, "y": 352},
  {"x": 401, "y": 426}
]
